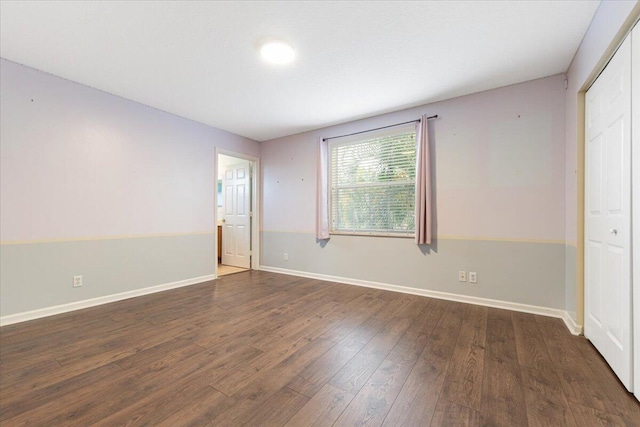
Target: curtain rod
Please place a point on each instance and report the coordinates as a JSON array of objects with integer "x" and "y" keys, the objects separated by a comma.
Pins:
[{"x": 383, "y": 127}]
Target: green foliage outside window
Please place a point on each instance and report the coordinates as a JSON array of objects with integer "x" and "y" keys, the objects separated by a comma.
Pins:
[{"x": 373, "y": 185}]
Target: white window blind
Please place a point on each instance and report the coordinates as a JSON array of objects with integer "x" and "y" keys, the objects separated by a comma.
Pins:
[{"x": 373, "y": 183}]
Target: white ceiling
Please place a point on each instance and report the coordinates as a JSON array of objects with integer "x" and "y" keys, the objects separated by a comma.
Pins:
[{"x": 354, "y": 59}]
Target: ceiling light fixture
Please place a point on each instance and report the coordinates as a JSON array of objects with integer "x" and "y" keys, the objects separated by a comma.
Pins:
[{"x": 277, "y": 52}]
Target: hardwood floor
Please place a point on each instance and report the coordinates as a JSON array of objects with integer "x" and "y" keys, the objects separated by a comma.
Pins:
[{"x": 262, "y": 349}]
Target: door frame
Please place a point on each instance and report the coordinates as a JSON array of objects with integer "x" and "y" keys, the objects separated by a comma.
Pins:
[
  {"x": 255, "y": 206},
  {"x": 622, "y": 362},
  {"x": 635, "y": 208}
]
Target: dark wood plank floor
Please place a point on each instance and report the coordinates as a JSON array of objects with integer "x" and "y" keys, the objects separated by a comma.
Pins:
[{"x": 262, "y": 349}]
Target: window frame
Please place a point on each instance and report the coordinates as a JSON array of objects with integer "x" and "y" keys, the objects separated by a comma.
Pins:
[{"x": 352, "y": 140}]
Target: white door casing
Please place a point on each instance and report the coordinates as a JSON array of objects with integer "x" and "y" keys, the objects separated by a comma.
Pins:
[
  {"x": 635, "y": 209},
  {"x": 236, "y": 230},
  {"x": 608, "y": 321}
]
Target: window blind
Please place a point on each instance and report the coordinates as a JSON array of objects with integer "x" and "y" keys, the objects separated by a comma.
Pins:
[{"x": 373, "y": 184}]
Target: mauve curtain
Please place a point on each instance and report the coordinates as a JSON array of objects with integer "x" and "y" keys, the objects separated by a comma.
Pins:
[
  {"x": 423, "y": 183},
  {"x": 322, "y": 193}
]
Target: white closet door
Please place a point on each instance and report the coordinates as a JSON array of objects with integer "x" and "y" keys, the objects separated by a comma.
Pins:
[
  {"x": 635, "y": 144},
  {"x": 608, "y": 321}
]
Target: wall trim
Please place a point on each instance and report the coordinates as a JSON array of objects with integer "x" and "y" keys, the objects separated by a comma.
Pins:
[
  {"x": 438, "y": 237},
  {"x": 514, "y": 306},
  {"x": 95, "y": 238},
  {"x": 78, "y": 305},
  {"x": 572, "y": 325}
]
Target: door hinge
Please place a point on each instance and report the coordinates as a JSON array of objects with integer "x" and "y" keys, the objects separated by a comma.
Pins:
[{"x": 251, "y": 214}]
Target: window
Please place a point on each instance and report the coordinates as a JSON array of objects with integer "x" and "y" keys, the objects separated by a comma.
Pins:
[{"x": 373, "y": 181}]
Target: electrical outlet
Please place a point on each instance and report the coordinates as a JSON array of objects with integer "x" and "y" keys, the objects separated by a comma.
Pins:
[
  {"x": 77, "y": 281},
  {"x": 286, "y": 256},
  {"x": 473, "y": 277},
  {"x": 462, "y": 276}
]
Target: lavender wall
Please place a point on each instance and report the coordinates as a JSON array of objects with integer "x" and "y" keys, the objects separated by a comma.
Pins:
[
  {"x": 80, "y": 165},
  {"x": 499, "y": 165},
  {"x": 77, "y": 162}
]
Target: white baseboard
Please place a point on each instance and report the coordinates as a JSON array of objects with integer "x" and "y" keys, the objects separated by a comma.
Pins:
[
  {"x": 573, "y": 327},
  {"x": 78, "y": 305},
  {"x": 525, "y": 308}
]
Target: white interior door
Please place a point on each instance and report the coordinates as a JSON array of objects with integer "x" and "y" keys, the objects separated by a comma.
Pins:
[
  {"x": 236, "y": 230},
  {"x": 608, "y": 321},
  {"x": 635, "y": 185}
]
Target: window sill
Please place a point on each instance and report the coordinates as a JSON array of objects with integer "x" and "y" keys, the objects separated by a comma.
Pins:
[{"x": 372, "y": 234}]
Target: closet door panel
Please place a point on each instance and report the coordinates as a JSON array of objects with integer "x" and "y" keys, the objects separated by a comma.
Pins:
[{"x": 608, "y": 315}]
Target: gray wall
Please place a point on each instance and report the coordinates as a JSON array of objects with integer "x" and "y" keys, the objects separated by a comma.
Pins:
[
  {"x": 520, "y": 272},
  {"x": 39, "y": 275},
  {"x": 570, "y": 280}
]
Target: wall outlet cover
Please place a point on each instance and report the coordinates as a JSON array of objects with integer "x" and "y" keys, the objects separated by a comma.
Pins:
[{"x": 462, "y": 276}]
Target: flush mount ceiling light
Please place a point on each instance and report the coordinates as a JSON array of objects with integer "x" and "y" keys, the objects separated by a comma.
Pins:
[{"x": 277, "y": 52}]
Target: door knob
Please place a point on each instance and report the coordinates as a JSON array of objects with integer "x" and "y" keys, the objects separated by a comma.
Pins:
[
  {"x": 224, "y": 220},
  {"x": 612, "y": 231}
]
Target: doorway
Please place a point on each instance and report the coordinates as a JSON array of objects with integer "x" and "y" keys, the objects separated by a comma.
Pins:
[{"x": 236, "y": 200}]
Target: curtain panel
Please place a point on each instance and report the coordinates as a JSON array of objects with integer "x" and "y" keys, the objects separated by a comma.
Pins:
[
  {"x": 322, "y": 191},
  {"x": 423, "y": 183}
]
